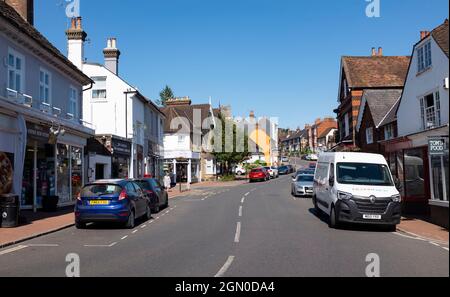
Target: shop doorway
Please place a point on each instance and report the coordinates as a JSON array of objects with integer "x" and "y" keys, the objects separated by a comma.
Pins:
[
  {"x": 99, "y": 171},
  {"x": 39, "y": 174}
]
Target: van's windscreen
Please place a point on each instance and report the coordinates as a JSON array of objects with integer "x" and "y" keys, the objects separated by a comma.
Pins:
[{"x": 363, "y": 174}]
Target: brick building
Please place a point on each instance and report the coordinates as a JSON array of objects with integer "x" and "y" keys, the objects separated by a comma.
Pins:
[{"x": 360, "y": 73}]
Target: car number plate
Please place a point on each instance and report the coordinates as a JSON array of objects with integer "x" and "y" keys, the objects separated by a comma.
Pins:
[
  {"x": 371, "y": 217},
  {"x": 99, "y": 202}
]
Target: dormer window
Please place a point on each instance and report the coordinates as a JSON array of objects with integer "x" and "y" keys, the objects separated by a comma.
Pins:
[{"x": 424, "y": 60}]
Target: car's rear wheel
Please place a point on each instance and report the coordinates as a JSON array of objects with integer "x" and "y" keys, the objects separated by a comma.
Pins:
[
  {"x": 157, "y": 208},
  {"x": 131, "y": 220},
  {"x": 148, "y": 213},
  {"x": 80, "y": 225},
  {"x": 166, "y": 205}
]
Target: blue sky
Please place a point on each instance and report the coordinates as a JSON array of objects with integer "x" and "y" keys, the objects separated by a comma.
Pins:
[{"x": 277, "y": 57}]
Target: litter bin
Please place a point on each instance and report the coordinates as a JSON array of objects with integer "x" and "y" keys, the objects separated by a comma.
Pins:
[{"x": 9, "y": 211}]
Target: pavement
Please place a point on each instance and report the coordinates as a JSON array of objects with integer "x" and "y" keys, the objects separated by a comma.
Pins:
[{"x": 248, "y": 230}]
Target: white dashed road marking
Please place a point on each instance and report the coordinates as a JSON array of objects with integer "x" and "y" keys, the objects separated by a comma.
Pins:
[
  {"x": 242, "y": 200},
  {"x": 238, "y": 233},
  {"x": 240, "y": 211},
  {"x": 125, "y": 237},
  {"x": 225, "y": 267},
  {"x": 14, "y": 249}
]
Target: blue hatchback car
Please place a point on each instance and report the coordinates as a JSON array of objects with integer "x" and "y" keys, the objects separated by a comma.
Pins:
[{"x": 119, "y": 201}]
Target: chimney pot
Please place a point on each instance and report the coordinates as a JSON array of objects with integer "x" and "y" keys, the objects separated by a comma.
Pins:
[
  {"x": 373, "y": 52},
  {"x": 424, "y": 34},
  {"x": 380, "y": 51}
]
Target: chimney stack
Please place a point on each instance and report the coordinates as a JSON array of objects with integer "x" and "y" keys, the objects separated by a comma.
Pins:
[
  {"x": 374, "y": 53},
  {"x": 424, "y": 34},
  {"x": 75, "y": 42},
  {"x": 112, "y": 54},
  {"x": 25, "y": 8},
  {"x": 380, "y": 51}
]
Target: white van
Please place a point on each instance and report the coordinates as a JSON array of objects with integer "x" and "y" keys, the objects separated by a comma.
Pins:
[{"x": 356, "y": 188}]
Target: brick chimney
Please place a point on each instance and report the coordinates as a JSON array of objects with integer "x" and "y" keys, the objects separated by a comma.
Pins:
[
  {"x": 424, "y": 34},
  {"x": 75, "y": 42},
  {"x": 24, "y": 7},
  {"x": 380, "y": 52},
  {"x": 112, "y": 54}
]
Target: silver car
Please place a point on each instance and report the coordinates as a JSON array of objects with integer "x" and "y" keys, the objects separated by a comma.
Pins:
[{"x": 302, "y": 185}]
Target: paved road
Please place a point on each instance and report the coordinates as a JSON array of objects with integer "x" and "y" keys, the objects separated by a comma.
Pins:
[{"x": 255, "y": 230}]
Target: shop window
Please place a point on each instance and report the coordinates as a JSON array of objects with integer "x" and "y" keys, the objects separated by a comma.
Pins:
[
  {"x": 440, "y": 174},
  {"x": 63, "y": 173},
  {"x": 77, "y": 170}
]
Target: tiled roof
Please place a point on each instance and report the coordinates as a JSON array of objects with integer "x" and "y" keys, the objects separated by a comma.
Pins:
[
  {"x": 184, "y": 111},
  {"x": 440, "y": 34},
  {"x": 376, "y": 71},
  {"x": 391, "y": 116},
  {"x": 325, "y": 133},
  {"x": 11, "y": 16},
  {"x": 381, "y": 102}
]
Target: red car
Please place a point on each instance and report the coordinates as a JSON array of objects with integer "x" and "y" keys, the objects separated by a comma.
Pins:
[{"x": 259, "y": 174}]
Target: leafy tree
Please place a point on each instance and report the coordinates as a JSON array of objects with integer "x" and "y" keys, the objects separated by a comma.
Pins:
[
  {"x": 165, "y": 95},
  {"x": 225, "y": 158}
]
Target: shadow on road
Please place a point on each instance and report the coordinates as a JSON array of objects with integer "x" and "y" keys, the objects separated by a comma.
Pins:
[{"x": 351, "y": 227}]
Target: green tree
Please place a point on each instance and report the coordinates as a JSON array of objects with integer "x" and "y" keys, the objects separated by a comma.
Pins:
[
  {"x": 165, "y": 95},
  {"x": 228, "y": 159}
]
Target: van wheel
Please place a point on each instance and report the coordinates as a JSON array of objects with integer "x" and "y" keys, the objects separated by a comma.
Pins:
[
  {"x": 316, "y": 206},
  {"x": 334, "y": 219}
]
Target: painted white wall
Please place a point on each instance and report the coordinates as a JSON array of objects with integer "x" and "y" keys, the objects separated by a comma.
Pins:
[
  {"x": 172, "y": 143},
  {"x": 419, "y": 85}
]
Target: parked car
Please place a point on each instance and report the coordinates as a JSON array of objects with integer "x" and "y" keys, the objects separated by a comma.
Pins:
[
  {"x": 303, "y": 185},
  {"x": 285, "y": 159},
  {"x": 112, "y": 201},
  {"x": 158, "y": 195},
  {"x": 291, "y": 169},
  {"x": 311, "y": 157},
  {"x": 283, "y": 170},
  {"x": 259, "y": 174},
  {"x": 273, "y": 171},
  {"x": 240, "y": 170},
  {"x": 303, "y": 171},
  {"x": 356, "y": 188},
  {"x": 312, "y": 166}
]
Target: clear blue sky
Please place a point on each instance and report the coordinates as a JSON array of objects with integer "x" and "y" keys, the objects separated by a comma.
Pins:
[{"x": 276, "y": 57}]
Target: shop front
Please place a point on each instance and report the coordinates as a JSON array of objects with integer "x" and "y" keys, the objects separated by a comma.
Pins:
[
  {"x": 183, "y": 165},
  {"x": 420, "y": 163},
  {"x": 121, "y": 157},
  {"x": 154, "y": 161},
  {"x": 52, "y": 167}
]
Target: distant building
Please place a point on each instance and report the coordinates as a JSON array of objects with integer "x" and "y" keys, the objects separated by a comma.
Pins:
[{"x": 184, "y": 155}]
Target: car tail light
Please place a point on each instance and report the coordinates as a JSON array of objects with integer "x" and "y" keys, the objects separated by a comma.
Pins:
[{"x": 123, "y": 195}]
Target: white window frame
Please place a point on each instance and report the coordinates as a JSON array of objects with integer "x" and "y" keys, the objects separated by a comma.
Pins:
[
  {"x": 73, "y": 100},
  {"x": 431, "y": 114},
  {"x": 424, "y": 57},
  {"x": 369, "y": 135},
  {"x": 46, "y": 86},
  {"x": 389, "y": 132},
  {"x": 16, "y": 55},
  {"x": 96, "y": 88}
]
